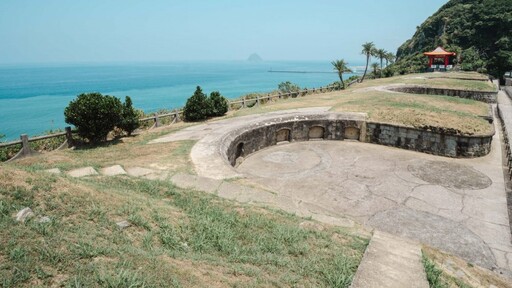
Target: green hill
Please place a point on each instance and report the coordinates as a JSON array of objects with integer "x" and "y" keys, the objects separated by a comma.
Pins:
[{"x": 479, "y": 31}]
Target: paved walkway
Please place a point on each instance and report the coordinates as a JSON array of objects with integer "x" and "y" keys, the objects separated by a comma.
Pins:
[{"x": 391, "y": 262}]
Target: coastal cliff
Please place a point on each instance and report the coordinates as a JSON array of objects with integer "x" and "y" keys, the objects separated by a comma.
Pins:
[{"x": 479, "y": 31}]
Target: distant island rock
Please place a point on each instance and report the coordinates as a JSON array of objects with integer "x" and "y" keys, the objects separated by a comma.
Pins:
[{"x": 254, "y": 58}]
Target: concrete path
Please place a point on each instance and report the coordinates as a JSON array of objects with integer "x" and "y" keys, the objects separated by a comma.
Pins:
[{"x": 391, "y": 262}]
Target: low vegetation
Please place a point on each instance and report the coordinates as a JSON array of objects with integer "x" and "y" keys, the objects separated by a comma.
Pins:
[
  {"x": 448, "y": 271},
  {"x": 177, "y": 238},
  {"x": 200, "y": 107},
  {"x": 95, "y": 115}
]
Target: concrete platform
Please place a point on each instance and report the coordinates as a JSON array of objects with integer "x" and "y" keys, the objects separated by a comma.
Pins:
[
  {"x": 391, "y": 262},
  {"x": 456, "y": 205}
]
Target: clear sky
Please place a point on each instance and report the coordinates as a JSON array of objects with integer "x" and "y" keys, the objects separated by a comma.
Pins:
[{"x": 49, "y": 31}]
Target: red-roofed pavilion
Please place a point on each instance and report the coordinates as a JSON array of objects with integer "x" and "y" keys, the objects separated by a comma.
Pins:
[{"x": 439, "y": 53}]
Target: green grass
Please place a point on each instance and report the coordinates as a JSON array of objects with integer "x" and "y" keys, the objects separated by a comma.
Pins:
[
  {"x": 437, "y": 278},
  {"x": 174, "y": 233}
]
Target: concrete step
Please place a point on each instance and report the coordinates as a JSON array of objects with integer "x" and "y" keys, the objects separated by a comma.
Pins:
[{"x": 391, "y": 261}]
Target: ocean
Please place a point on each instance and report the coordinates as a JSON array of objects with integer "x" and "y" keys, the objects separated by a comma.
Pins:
[{"x": 33, "y": 97}]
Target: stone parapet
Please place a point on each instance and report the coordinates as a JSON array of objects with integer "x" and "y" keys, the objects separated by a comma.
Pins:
[
  {"x": 428, "y": 141},
  {"x": 483, "y": 96}
]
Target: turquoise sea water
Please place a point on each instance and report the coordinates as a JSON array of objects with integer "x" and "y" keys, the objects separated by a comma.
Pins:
[{"x": 33, "y": 97}]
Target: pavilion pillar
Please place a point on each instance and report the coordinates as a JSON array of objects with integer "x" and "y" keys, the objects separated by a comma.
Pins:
[
  {"x": 430, "y": 61},
  {"x": 446, "y": 60}
]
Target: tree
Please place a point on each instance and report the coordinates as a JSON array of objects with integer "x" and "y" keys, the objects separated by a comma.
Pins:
[
  {"x": 197, "y": 107},
  {"x": 368, "y": 50},
  {"x": 129, "y": 117},
  {"x": 219, "y": 104},
  {"x": 375, "y": 67},
  {"x": 94, "y": 115},
  {"x": 381, "y": 54},
  {"x": 390, "y": 58},
  {"x": 341, "y": 67}
]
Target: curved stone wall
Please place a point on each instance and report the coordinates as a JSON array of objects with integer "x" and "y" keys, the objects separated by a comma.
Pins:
[
  {"x": 256, "y": 136},
  {"x": 428, "y": 141},
  {"x": 483, "y": 96},
  {"x": 252, "y": 137}
]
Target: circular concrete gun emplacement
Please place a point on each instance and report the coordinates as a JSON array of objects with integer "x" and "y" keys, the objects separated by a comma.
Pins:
[{"x": 454, "y": 203}]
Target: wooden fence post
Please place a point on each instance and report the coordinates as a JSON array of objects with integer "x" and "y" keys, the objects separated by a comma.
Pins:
[
  {"x": 157, "y": 121},
  {"x": 243, "y": 102},
  {"x": 258, "y": 100},
  {"x": 69, "y": 136},
  {"x": 177, "y": 116},
  {"x": 25, "y": 146}
]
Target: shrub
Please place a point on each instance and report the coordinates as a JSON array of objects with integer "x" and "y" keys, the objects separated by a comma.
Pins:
[
  {"x": 288, "y": 87},
  {"x": 219, "y": 104},
  {"x": 388, "y": 71},
  {"x": 198, "y": 107},
  {"x": 129, "y": 117},
  {"x": 94, "y": 115}
]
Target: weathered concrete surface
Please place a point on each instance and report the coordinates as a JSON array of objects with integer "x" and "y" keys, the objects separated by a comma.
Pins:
[
  {"x": 53, "y": 171},
  {"x": 391, "y": 262},
  {"x": 82, "y": 172},
  {"x": 139, "y": 171},
  {"x": 113, "y": 170},
  {"x": 457, "y": 205},
  {"x": 187, "y": 181},
  {"x": 397, "y": 191}
]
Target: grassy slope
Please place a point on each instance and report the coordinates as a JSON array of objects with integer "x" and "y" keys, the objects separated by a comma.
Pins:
[
  {"x": 400, "y": 108},
  {"x": 179, "y": 238}
]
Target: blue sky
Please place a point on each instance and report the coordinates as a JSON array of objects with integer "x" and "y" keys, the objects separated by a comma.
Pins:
[{"x": 59, "y": 31}]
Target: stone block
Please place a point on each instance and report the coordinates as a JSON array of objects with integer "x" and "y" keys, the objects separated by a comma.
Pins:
[{"x": 83, "y": 172}]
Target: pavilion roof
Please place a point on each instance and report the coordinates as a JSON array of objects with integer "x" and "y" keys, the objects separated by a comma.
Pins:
[{"x": 439, "y": 51}]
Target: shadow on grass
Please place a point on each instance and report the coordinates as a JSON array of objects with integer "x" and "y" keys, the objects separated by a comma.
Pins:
[{"x": 80, "y": 144}]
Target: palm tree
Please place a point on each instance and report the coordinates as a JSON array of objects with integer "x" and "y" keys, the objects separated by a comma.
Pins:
[
  {"x": 390, "y": 57},
  {"x": 368, "y": 50},
  {"x": 381, "y": 54},
  {"x": 341, "y": 66},
  {"x": 375, "y": 67}
]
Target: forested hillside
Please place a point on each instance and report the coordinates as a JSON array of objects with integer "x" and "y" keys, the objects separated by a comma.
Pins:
[{"x": 479, "y": 31}]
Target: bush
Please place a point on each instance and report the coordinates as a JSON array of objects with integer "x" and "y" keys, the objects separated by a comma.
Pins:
[
  {"x": 288, "y": 87},
  {"x": 198, "y": 107},
  {"x": 219, "y": 104},
  {"x": 94, "y": 115},
  {"x": 129, "y": 117},
  {"x": 388, "y": 71}
]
